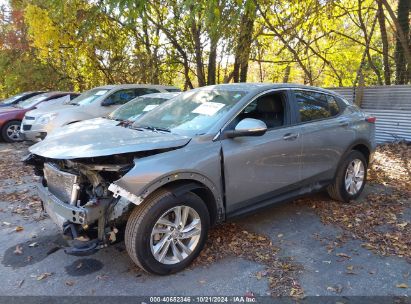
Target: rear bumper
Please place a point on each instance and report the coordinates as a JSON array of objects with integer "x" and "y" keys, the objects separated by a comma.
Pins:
[{"x": 61, "y": 212}]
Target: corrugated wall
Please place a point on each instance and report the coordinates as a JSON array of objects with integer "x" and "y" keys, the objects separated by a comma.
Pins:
[{"x": 391, "y": 105}]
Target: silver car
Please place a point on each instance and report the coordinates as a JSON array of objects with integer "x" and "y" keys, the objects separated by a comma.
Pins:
[
  {"x": 94, "y": 103},
  {"x": 121, "y": 117},
  {"x": 197, "y": 160}
]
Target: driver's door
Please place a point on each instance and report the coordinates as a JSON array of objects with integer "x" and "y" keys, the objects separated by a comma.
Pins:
[{"x": 257, "y": 168}]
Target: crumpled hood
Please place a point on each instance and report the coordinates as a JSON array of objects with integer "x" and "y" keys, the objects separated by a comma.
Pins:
[{"x": 102, "y": 140}]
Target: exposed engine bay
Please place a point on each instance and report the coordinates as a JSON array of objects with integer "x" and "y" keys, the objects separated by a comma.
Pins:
[{"x": 82, "y": 204}]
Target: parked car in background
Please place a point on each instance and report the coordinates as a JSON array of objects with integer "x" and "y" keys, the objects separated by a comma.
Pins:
[
  {"x": 51, "y": 104},
  {"x": 123, "y": 116},
  {"x": 94, "y": 103},
  {"x": 203, "y": 157},
  {"x": 11, "y": 117},
  {"x": 19, "y": 97}
]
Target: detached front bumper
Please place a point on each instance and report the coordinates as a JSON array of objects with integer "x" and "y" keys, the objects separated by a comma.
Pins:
[{"x": 61, "y": 212}]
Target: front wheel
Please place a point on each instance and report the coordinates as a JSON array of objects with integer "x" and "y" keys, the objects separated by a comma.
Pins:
[
  {"x": 350, "y": 179},
  {"x": 11, "y": 131},
  {"x": 167, "y": 232}
]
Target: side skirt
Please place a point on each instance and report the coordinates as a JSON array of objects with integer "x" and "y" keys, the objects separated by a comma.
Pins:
[{"x": 251, "y": 207}]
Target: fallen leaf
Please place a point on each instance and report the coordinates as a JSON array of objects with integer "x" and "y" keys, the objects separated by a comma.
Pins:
[
  {"x": 351, "y": 267},
  {"x": 70, "y": 283},
  {"x": 18, "y": 250},
  {"x": 44, "y": 276},
  {"x": 102, "y": 277},
  {"x": 402, "y": 285},
  {"x": 337, "y": 288},
  {"x": 19, "y": 228},
  {"x": 20, "y": 283},
  {"x": 343, "y": 255}
]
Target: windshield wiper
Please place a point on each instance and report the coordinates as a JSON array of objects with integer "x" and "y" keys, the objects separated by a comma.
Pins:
[{"x": 154, "y": 129}]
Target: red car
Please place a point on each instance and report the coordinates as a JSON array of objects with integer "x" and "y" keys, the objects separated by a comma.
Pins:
[{"x": 10, "y": 117}]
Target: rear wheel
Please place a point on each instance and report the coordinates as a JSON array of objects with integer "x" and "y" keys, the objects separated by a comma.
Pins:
[
  {"x": 165, "y": 234},
  {"x": 11, "y": 131},
  {"x": 350, "y": 179}
]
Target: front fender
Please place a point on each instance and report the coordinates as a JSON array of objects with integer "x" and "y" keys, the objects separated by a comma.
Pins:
[{"x": 195, "y": 162}]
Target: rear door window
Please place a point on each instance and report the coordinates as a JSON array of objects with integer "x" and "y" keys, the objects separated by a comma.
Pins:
[
  {"x": 144, "y": 91},
  {"x": 315, "y": 106},
  {"x": 122, "y": 96}
]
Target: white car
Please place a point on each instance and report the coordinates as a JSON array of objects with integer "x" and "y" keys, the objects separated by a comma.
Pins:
[
  {"x": 97, "y": 102},
  {"x": 123, "y": 116}
]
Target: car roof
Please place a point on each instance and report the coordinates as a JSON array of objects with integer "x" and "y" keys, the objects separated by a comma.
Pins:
[
  {"x": 167, "y": 95},
  {"x": 30, "y": 92},
  {"x": 131, "y": 86},
  {"x": 243, "y": 86},
  {"x": 53, "y": 93}
]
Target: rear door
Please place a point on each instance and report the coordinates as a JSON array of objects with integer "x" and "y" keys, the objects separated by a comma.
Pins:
[
  {"x": 258, "y": 168},
  {"x": 326, "y": 134}
]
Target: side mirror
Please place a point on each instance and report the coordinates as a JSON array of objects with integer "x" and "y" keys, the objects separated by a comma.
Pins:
[
  {"x": 248, "y": 127},
  {"x": 107, "y": 102}
]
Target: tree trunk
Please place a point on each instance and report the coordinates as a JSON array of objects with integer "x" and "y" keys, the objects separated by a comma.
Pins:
[
  {"x": 385, "y": 47},
  {"x": 287, "y": 74},
  {"x": 243, "y": 49},
  {"x": 212, "y": 62},
  {"x": 401, "y": 75},
  {"x": 198, "y": 52}
]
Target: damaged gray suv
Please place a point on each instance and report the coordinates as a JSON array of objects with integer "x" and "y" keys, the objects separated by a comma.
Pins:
[{"x": 199, "y": 159}]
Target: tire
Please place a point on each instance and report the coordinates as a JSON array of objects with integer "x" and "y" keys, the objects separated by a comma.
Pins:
[
  {"x": 5, "y": 131},
  {"x": 338, "y": 190},
  {"x": 140, "y": 243}
]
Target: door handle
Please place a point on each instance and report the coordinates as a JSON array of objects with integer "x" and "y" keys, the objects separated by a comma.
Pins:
[{"x": 291, "y": 136}]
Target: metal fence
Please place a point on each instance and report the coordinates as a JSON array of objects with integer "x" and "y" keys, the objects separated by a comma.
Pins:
[{"x": 391, "y": 105}]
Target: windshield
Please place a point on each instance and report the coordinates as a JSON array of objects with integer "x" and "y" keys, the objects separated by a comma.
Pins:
[
  {"x": 32, "y": 101},
  {"x": 135, "y": 108},
  {"x": 191, "y": 113},
  {"x": 88, "y": 97},
  {"x": 12, "y": 99}
]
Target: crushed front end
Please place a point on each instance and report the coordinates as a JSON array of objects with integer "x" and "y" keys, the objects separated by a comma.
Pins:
[{"x": 76, "y": 196}]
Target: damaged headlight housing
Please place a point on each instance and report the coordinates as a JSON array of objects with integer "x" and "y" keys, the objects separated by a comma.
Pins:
[{"x": 46, "y": 118}]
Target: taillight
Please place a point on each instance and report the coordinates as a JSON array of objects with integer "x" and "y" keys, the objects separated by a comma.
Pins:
[{"x": 371, "y": 119}]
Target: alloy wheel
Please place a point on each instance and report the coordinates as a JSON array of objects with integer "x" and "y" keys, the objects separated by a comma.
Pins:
[
  {"x": 13, "y": 132},
  {"x": 354, "y": 176},
  {"x": 175, "y": 235}
]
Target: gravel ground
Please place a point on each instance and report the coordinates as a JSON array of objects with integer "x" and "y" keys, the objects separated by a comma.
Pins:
[{"x": 312, "y": 246}]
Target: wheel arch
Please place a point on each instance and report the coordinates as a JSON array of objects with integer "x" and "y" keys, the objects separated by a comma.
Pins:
[
  {"x": 182, "y": 182},
  {"x": 361, "y": 146},
  {"x": 364, "y": 149}
]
